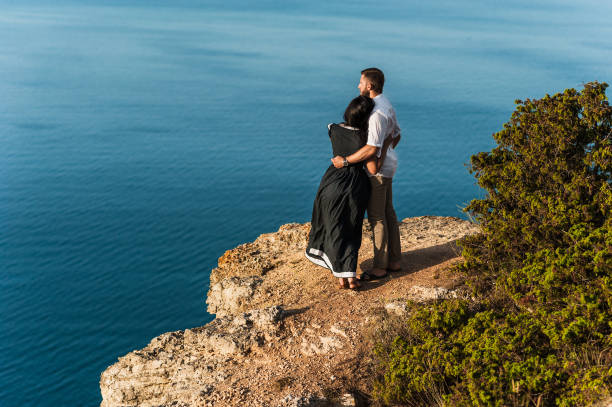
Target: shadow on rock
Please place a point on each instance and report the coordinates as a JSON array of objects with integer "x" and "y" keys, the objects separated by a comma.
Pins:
[{"x": 414, "y": 261}]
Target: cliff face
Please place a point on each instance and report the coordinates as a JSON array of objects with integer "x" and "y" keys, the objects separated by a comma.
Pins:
[{"x": 284, "y": 334}]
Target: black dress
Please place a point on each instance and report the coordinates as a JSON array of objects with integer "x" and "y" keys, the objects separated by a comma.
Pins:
[{"x": 337, "y": 214}]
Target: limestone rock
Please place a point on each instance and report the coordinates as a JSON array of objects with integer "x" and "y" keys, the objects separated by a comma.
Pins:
[
  {"x": 398, "y": 308},
  {"x": 303, "y": 401},
  {"x": 422, "y": 294},
  {"x": 262, "y": 255},
  {"x": 183, "y": 366},
  {"x": 348, "y": 400},
  {"x": 259, "y": 353},
  {"x": 604, "y": 403},
  {"x": 231, "y": 295}
]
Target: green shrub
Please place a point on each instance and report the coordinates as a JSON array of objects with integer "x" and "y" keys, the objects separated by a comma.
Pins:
[{"x": 540, "y": 329}]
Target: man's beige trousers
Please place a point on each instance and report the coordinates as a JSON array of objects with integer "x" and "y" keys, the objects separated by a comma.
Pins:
[{"x": 382, "y": 218}]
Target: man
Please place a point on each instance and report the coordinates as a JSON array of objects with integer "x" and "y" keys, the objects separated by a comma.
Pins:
[{"x": 383, "y": 131}]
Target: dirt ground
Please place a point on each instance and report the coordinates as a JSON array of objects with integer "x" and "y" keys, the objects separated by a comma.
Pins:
[{"x": 324, "y": 348}]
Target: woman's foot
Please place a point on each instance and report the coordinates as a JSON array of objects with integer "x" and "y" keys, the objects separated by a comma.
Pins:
[
  {"x": 354, "y": 284},
  {"x": 343, "y": 284}
]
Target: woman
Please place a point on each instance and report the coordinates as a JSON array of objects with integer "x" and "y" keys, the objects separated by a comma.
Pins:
[{"x": 342, "y": 198}]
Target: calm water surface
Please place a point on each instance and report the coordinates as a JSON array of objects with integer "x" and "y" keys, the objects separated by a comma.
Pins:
[{"x": 140, "y": 141}]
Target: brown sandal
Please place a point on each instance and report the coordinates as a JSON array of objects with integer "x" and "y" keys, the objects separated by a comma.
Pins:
[{"x": 367, "y": 276}]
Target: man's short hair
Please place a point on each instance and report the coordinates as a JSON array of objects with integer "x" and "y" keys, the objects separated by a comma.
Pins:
[{"x": 376, "y": 78}]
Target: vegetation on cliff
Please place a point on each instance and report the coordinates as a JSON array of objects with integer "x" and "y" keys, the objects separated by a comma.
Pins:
[{"x": 539, "y": 329}]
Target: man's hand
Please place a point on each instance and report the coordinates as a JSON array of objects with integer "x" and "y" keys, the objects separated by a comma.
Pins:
[
  {"x": 360, "y": 155},
  {"x": 338, "y": 161}
]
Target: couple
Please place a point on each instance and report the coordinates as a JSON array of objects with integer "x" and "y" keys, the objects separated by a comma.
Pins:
[{"x": 360, "y": 178}]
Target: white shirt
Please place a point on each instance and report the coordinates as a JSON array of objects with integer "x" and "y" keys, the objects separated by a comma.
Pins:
[{"x": 383, "y": 124}]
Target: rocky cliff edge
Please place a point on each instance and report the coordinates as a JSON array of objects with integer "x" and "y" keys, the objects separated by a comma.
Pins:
[{"x": 284, "y": 334}]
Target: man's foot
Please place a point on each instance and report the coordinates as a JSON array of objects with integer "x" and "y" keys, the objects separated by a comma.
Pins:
[
  {"x": 342, "y": 283},
  {"x": 395, "y": 266},
  {"x": 378, "y": 273},
  {"x": 373, "y": 274}
]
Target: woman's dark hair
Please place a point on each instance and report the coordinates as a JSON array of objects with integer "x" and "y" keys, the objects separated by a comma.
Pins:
[{"x": 357, "y": 114}]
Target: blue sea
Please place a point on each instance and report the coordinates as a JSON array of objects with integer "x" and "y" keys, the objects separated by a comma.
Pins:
[{"x": 139, "y": 140}]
